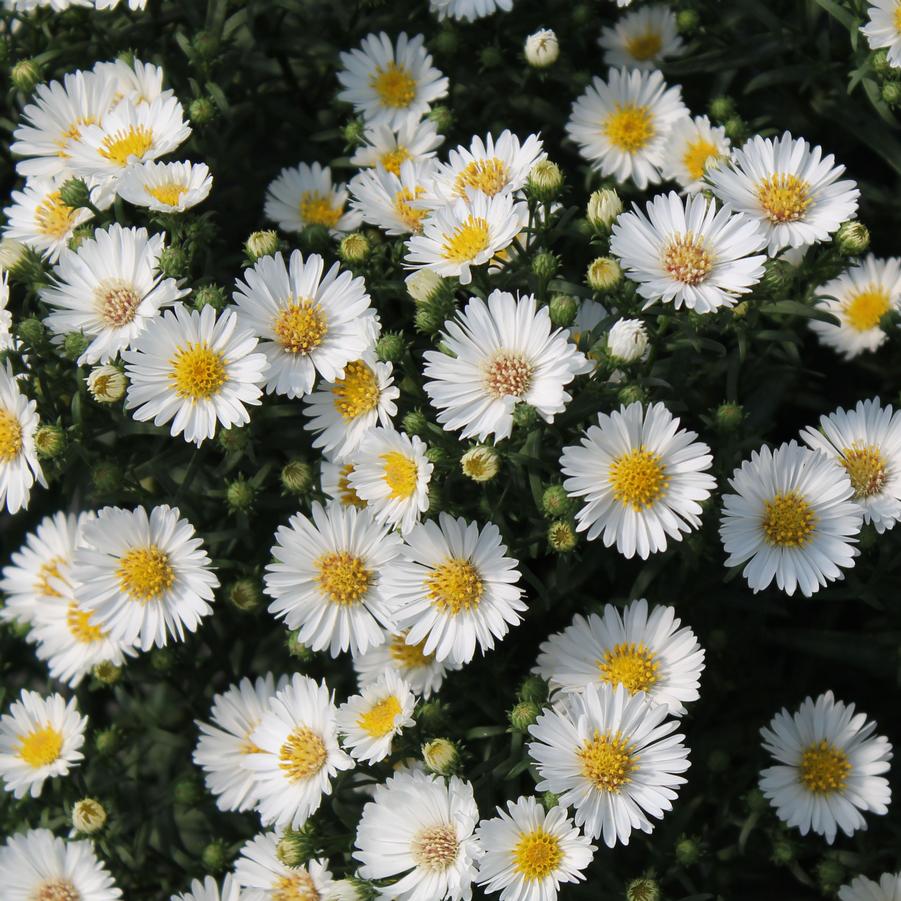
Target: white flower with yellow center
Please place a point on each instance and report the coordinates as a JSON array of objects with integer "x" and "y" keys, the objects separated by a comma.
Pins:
[
  {"x": 468, "y": 10},
  {"x": 307, "y": 322},
  {"x": 829, "y": 768},
  {"x": 342, "y": 412},
  {"x": 166, "y": 187},
  {"x": 394, "y": 203},
  {"x": 622, "y": 125},
  {"x": 40, "y": 739},
  {"x": 195, "y": 369},
  {"x": 37, "y": 866},
  {"x": 500, "y": 353},
  {"x": 138, "y": 82},
  {"x": 6, "y": 319},
  {"x": 689, "y": 252},
  {"x": 528, "y": 852},
  {"x": 454, "y": 587},
  {"x": 209, "y": 890},
  {"x": 466, "y": 233},
  {"x": 423, "y": 672},
  {"x": 263, "y": 877},
  {"x": 19, "y": 466},
  {"x": 860, "y": 298},
  {"x": 790, "y": 187},
  {"x": 335, "y": 482},
  {"x": 225, "y": 741},
  {"x": 109, "y": 289},
  {"x": 328, "y": 575},
  {"x": 792, "y": 518},
  {"x": 298, "y": 753},
  {"x": 693, "y": 147},
  {"x": 145, "y": 579},
  {"x": 613, "y": 757},
  {"x": 883, "y": 28},
  {"x": 304, "y": 195},
  {"x": 415, "y": 141},
  {"x": 642, "y": 39},
  {"x": 862, "y": 889},
  {"x": 391, "y": 473},
  {"x": 643, "y": 479},
  {"x": 418, "y": 830},
  {"x": 370, "y": 720},
  {"x": 866, "y": 441},
  {"x": 39, "y": 218},
  {"x": 652, "y": 653},
  {"x": 390, "y": 84}
]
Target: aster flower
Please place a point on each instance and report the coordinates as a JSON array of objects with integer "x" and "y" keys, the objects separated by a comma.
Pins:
[
  {"x": 6, "y": 320},
  {"x": 468, "y": 10},
  {"x": 862, "y": 889},
  {"x": 304, "y": 195},
  {"x": 137, "y": 81},
  {"x": 415, "y": 141},
  {"x": 883, "y": 29},
  {"x": 334, "y": 479},
  {"x": 262, "y": 876},
  {"x": 642, "y": 39},
  {"x": 166, "y": 187},
  {"x": 209, "y": 890},
  {"x": 423, "y": 672},
  {"x": 393, "y": 202},
  {"x": 19, "y": 466},
  {"x": 693, "y": 146}
]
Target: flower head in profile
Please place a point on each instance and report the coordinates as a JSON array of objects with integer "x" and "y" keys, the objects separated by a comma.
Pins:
[
  {"x": 19, "y": 466},
  {"x": 415, "y": 141},
  {"x": 305, "y": 195},
  {"x": 393, "y": 202},
  {"x": 422, "y": 671},
  {"x": 166, "y": 187}
]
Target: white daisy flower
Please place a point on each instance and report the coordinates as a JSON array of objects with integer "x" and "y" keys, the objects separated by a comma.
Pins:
[
  {"x": 859, "y": 298},
  {"x": 306, "y": 322},
  {"x": 328, "y": 577},
  {"x": 694, "y": 146},
  {"x": 622, "y": 125},
  {"x": 19, "y": 466},
  {"x": 392, "y": 202},
  {"x": 415, "y": 140},
  {"x": 38, "y": 866},
  {"x": 454, "y": 586},
  {"x": 419, "y": 828},
  {"x": 792, "y": 518},
  {"x": 334, "y": 479},
  {"x": 423, "y": 672},
  {"x": 370, "y": 720},
  {"x": 138, "y": 82},
  {"x": 39, "y": 218},
  {"x": 466, "y": 233},
  {"x": 304, "y": 195},
  {"x": 209, "y": 890},
  {"x": 613, "y": 757},
  {"x": 790, "y": 187},
  {"x": 688, "y": 251},
  {"x": 390, "y": 84},
  {"x": 642, "y": 39},
  {"x": 110, "y": 289},
  {"x": 342, "y": 412},
  {"x": 530, "y": 852},
  {"x": 391, "y": 473},
  {"x": 499, "y": 353},
  {"x": 166, "y": 187},
  {"x": 642, "y": 477},
  {"x": 866, "y": 441},
  {"x": 225, "y": 742},
  {"x": 40, "y": 739},
  {"x": 263, "y": 877},
  {"x": 468, "y": 10},
  {"x": 828, "y": 770},
  {"x": 6, "y": 319},
  {"x": 195, "y": 369},
  {"x": 862, "y": 889},
  {"x": 146, "y": 578},
  {"x": 642, "y": 652},
  {"x": 298, "y": 753},
  {"x": 883, "y": 29}
]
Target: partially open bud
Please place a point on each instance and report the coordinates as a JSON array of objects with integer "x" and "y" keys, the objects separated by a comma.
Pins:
[
  {"x": 49, "y": 441},
  {"x": 542, "y": 48},
  {"x": 603, "y": 208},
  {"x": 524, "y": 714},
  {"x": 603, "y": 274},
  {"x": 297, "y": 477},
  {"x": 354, "y": 248},
  {"x": 107, "y": 384},
  {"x": 480, "y": 464},
  {"x": 88, "y": 816},
  {"x": 627, "y": 341},
  {"x": 441, "y": 756},
  {"x": 561, "y": 536},
  {"x": 25, "y": 75},
  {"x": 545, "y": 180},
  {"x": 423, "y": 284},
  {"x": 853, "y": 238},
  {"x": 261, "y": 244}
]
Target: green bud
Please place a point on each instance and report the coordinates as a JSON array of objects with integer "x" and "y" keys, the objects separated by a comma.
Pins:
[
  {"x": 533, "y": 688},
  {"x": 390, "y": 347},
  {"x": 298, "y": 650},
  {"x": 881, "y": 65},
  {"x": 852, "y": 238},
  {"x": 688, "y": 851},
  {"x": 106, "y": 672},
  {"x": 296, "y": 846},
  {"x": 643, "y": 890},
  {"x": 436, "y": 500},
  {"x": 756, "y": 801},
  {"x": 442, "y": 117},
  {"x": 736, "y": 129},
  {"x": 49, "y": 441},
  {"x": 523, "y": 715},
  {"x": 722, "y": 108},
  {"x": 26, "y": 75},
  {"x": 545, "y": 264},
  {"x": 297, "y": 477},
  {"x": 316, "y": 238},
  {"x": 777, "y": 275},
  {"x": 524, "y": 416},
  {"x": 783, "y": 852},
  {"x": 234, "y": 440},
  {"x": 31, "y": 332},
  {"x": 545, "y": 181},
  {"x": 354, "y": 132},
  {"x": 202, "y": 111},
  {"x": 74, "y": 345},
  {"x": 891, "y": 92},
  {"x": 630, "y": 394},
  {"x": 354, "y": 248},
  {"x": 718, "y": 762},
  {"x": 107, "y": 741},
  {"x": 687, "y": 21},
  {"x": 438, "y": 456},
  {"x": 245, "y": 595},
  {"x": 88, "y": 816},
  {"x": 29, "y": 267},
  {"x": 441, "y": 756},
  {"x": 240, "y": 495},
  {"x": 187, "y": 791},
  {"x": 81, "y": 234},
  {"x": 740, "y": 310},
  {"x": 261, "y": 244},
  {"x": 162, "y": 659},
  {"x": 561, "y": 536},
  {"x": 563, "y": 309},
  {"x": 446, "y": 42},
  {"x": 830, "y": 875},
  {"x": 74, "y": 193},
  {"x": 491, "y": 57},
  {"x": 173, "y": 262},
  {"x": 603, "y": 274},
  {"x": 215, "y": 856},
  {"x": 106, "y": 477},
  {"x": 205, "y": 44},
  {"x": 415, "y": 423},
  {"x": 555, "y": 502},
  {"x": 549, "y": 801},
  {"x": 432, "y": 715},
  {"x": 432, "y": 314},
  {"x": 729, "y": 417}
]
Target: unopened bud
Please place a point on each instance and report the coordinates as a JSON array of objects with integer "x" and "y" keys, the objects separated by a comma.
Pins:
[
  {"x": 603, "y": 208},
  {"x": 74, "y": 193},
  {"x": 729, "y": 417},
  {"x": 561, "y": 536},
  {"x": 643, "y": 890},
  {"x": 542, "y": 48},
  {"x": 524, "y": 416},
  {"x": 106, "y": 672},
  {"x": 545, "y": 180},
  {"x": 210, "y": 296},
  {"x": 555, "y": 502},
  {"x": 173, "y": 262},
  {"x": 214, "y": 856},
  {"x": 722, "y": 108},
  {"x": 49, "y": 441},
  {"x": 524, "y": 715},
  {"x": 441, "y": 756},
  {"x": 545, "y": 264},
  {"x": 563, "y": 309},
  {"x": 852, "y": 238},
  {"x": 627, "y": 341},
  {"x": 245, "y": 595},
  {"x": 354, "y": 248},
  {"x": 74, "y": 345},
  {"x": 107, "y": 384},
  {"x": 533, "y": 688},
  {"x": 25, "y": 75},
  {"x": 297, "y": 477},
  {"x": 240, "y": 495},
  {"x": 603, "y": 274},
  {"x": 88, "y": 816},
  {"x": 261, "y": 244},
  {"x": 202, "y": 111},
  {"x": 391, "y": 347},
  {"x": 480, "y": 464}
]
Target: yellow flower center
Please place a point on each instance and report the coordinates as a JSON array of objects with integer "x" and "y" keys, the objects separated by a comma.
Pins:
[
  {"x": 169, "y": 193},
  {"x": 638, "y": 478},
  {"x": 867, "y": 469},
  {"x": 489, "y": 176},
  {"x": 300, "y": 327},
  {"x": 408, "y": 656},
  {"x": 346, "y": 492},
  {"x": 47, "y": 574},
  {"x": 117, "y": 303},
  {"x": 608, "y": 761},
  {"x": 401, "y": 474},
  {"x": 73, "y": 132},
  {"x": 686, "y": 259},
  {"x": 537, "y": 854},
  {"x": 80, "y": 626},
  {"x": 317, "y": 209},
  {"x": 392, "y": 160},
  {"x": 358, "y": 392},
  {"x": 378, "y": 721},
  {"x": 56, "y": 890},
  {"x": 454, "y": 586},
  {"x": 41, "y": 746},
  {"x": 53, "y": 217},
  {"x": 124, "y": 144},
  {"x": 897, "y": 18},
  {"x": 298, "y": 886},
  {"x": 394, "y": 85},
  {"x": 824, "y": 768},
  {"x": 508, "y": 375},
  {"x": 435, "y": 848},
  {"x": 645, "y": 45},
  {"x": 697, "y": 156},
  {"x": 10, "y": 436},
  {"x": 631, "y": 665},
  {"x": 344, "y": 578},
  {"x": 467, "y": 241},
  {"x": 864, "y": 310},
  {"x": 788, "y": 520},
  {"x": 784, "y": 198},
  {"x": 302, "y": 755},
  {"x": 411, "y": 216},
  {"x": 198, "y": 371},
  {"x": 629, "y": 127},
  {"x": 145, "y": 573}
]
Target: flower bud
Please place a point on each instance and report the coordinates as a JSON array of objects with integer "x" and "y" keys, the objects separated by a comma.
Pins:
[
  {"x": 722, "y": 108},
  {"x": 106, "y": 384},
  {"x": 354, "y": 132},
  {"x": 643, "y": 890},
  {"x": 630, "y": 394},
  {"x": 830, "y": 875},
  {"x": 603, "y": 274},
  {"x": 49, "y": 441},
  {"x": 187, "y": 791},
  {"x": 108, "y": 741},
  {"x": 542, "y": 48},
  {"x": 627, "y": 341},
  {"x": 545, "y": 264},
  {"x": 491, "y": 57},
  {"x": 391, "y": 347},
  {"x": 549, "y": 800},
  {"x": 202, "y": 111},
  {"x": 423, "y": 284},
  {"x": 442, "y": 117},
  {"x": 561, "y": 536},
  {"x": 555, "y": 502},
  {"x": 415, "y": 423},
  {"x": 12, "y": 252},
  {"x": 687, "y": 21},
  {"x": 783, "y": 852},
  {"x": 245, "y": 595},
  {"x": 173, "y": 262},
  {"x": 431, "y": 315},
  {"x": 480, "y": 464},
  {"x": 729, "y": 417},
  {"x": 524, "y": 416},
  {"x": 441, "y": 756},
  {"x": 240, "y": 495},
  {"x": 297, "y": 477},
  {"x": 852, "y": 238},
  {"x": 563, "y": 309},
  {"x": 210, "y": 296},
  {"x": 74, "y": 345},
  {"x": 446, "y": 42},
  {"x": 880, "y": 63},
  {"x": 432, "y": 715},
  {"x": 234, "y": 440},
  {"x": 533, "y": 688},
  {"x": 74, "y": 193},
  {"x": 688, "y": 851},
  {"x": 162, "y": 659},
  {"x": 437, "y": 455},
  {"x": 31, "y": 332},
  {"x": 298, "y": 650},
  {"x": 88, "y": 816},
  {"x": 347, "y": 890},
  {"x": 736, "y": 129},
  {"x": 354, "y": 248},
  {"x": 545, "y": 180},
  {"x": 891, "y": 93},
  {"x": 26, "y": 75},
  {"x": 261, "y": 244},
  {"x": 603, "y": 208},
  {"x": 215, "y": 856},
  {"x": 524, "y": 714},
  {"x": 296, "y": 846},
  {"x": 106, "y": 672},
  {"x": 755, "y": 800}
]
